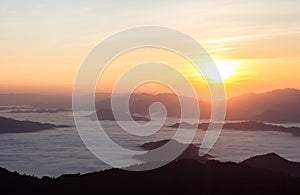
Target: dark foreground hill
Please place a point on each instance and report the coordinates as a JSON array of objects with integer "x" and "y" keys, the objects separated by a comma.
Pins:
[
  {"x": 275, "y": 163},
  {"x": 178, "y": 177}
]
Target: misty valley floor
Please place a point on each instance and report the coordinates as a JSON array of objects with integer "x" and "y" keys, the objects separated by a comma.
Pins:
[{"x": 60, "y": 151}]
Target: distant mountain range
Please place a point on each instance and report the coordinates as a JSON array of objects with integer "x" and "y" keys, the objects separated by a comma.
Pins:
[
  {"x": 139, "y": 104},
  {"x": 281, "y": 105},
  {"x": 278, "y": 106}
]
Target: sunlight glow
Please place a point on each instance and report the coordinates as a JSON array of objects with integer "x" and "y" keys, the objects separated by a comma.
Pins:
[{"x": 226, "y": 68}]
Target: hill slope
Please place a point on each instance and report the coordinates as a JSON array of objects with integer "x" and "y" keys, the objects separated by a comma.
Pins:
[
  {"x": 178, "y": 177},
  {"x": 282, "y": 105},
  {"x": 8, "y": 125}
]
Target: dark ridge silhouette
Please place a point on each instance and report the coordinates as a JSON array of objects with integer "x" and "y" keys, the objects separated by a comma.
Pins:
[
  {"x": 177, "y": 177},
  {"x": 270, "y": 161},
  {"x": 247, "y": 126},
  {"x": 274, "y": 163},
  {"x": 8, "y": 125},
  {"x": 39, "y": 110},
  {"x": 191, "y": 152}
]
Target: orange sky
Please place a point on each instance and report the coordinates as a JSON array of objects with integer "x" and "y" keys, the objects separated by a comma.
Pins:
[{"x": 43, "y": 44}]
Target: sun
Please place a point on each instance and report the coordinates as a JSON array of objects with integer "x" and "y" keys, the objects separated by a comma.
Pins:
[{"x": 226, "y": 68}]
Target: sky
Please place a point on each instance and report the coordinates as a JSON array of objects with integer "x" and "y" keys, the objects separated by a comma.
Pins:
[{"x": 43, "y": 43}]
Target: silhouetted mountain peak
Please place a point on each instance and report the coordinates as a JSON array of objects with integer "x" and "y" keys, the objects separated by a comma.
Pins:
[
  {"x": 274, "y": 162},
  {"x": 178, "y": 177},
  {"x": 272, "y": 157}
]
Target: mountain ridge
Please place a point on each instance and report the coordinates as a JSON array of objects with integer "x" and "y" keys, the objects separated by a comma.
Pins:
[
  {"x": 276, "y": 106},
  {"x": 177, "y": 177}
]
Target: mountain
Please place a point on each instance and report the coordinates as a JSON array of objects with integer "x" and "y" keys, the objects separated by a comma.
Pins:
[
  {"x": 274, "y": 163},
  {"x": 177, "y": 177},
  {"x": 8, "y": 125},
  {"x": 243, "y": 126},
  {"x": 281, "y": 105},
  {"x": 107, "y": 114},
  {"x": 139, "y": 104},
  {"x": 277, "y": 106}
]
